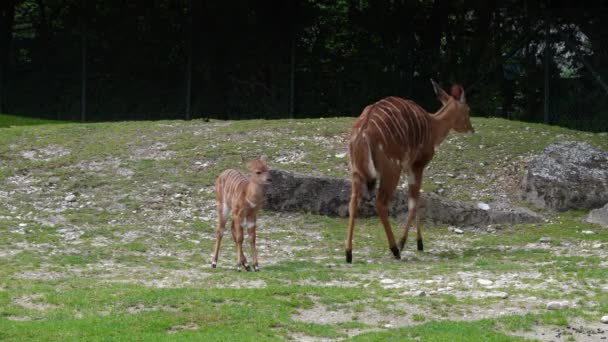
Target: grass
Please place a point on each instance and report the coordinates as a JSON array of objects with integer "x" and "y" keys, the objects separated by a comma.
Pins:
[
  {"x": 13, "y": 120},
  {"x": 127, "y": 259}
]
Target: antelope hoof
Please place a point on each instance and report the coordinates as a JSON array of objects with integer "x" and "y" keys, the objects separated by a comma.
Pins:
[
  {"x": 213, "y": 265},
  {"x": 247, "y": 268},
  {"x": 396, "y": 252},
  {"x": 420, "y": 246},
  {"x": 349, "y": 256},
  {"x": 256, "y": 268}
]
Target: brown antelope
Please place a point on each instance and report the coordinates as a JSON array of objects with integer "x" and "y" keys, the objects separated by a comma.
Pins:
[
  {"x": 241, "y": 197},
  {"x": 393, "y": 136}
]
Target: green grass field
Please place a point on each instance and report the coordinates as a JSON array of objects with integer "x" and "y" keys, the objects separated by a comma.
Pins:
[{"x": 107, "y": 230}]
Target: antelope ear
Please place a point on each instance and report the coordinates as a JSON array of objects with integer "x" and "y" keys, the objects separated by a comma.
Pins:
[
  {"x": 457, "y": 92},
  {"x": 263, "y": 158},
  {"x": 442, "y": 96}
]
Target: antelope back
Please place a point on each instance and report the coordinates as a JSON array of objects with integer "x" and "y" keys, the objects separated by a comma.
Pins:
[
  {"x": 230, "y": 185},
  {"x": 397, "y": 127}
]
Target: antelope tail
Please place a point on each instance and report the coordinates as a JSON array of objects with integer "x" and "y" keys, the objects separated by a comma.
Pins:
[{"x": 361, "y": 158}]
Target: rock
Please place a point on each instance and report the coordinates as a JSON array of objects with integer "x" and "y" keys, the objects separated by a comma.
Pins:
[
  {"x": 567, "y": 175},
  {"x": 419, "y": 294},
  {"x": 293, "y": 192},
  {"x": 54, "y": 180},
  {"x": 387, "y": 281},
  {"x": 544, "y": 239},
  {"x": 604, "y": 319},
  {"x": 599, "y": 216},
  {"x": 484, "y": 282},
  {"x": 503, "y": 295},
  {"x": 483, "y": 206},
  {"x": 458, "y": 231},
  {"x": 557, "y": 305},
  {"x": 70, "y": 198},
  {"x": 588, "y": 232}
]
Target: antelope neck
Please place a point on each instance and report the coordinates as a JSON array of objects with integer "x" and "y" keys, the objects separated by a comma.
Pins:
[
  {"x": 254, "y": 194},
  {"x": 441, "y": 123}
]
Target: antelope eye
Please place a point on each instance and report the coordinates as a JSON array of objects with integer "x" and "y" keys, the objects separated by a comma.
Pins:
[{"x": 258, "y": 172}]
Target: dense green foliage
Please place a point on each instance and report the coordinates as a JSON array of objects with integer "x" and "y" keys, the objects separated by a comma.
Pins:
[{"x": 244, "y": 59}]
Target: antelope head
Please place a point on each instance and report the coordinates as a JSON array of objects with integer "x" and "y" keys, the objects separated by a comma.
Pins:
[
  {"x": 455, "y": 103},
  {"x": 259, "y": 171}
]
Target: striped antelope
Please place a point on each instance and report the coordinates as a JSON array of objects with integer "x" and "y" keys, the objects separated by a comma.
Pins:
[
  {"x": 242, "y": 197},
  {"x": 393, "y": 136}
]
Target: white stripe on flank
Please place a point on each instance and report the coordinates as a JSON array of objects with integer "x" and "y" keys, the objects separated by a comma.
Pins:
[
  {"x": 371, "y": 168},
  {"x": 379, "y": 130},
  {"x": 397, "y": 123}
]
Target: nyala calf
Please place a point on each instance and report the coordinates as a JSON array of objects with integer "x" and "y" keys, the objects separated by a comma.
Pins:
[{"x": 241, "y": 197}]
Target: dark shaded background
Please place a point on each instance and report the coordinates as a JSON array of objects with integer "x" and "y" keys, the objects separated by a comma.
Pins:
[{"x": 94, "y": 60}]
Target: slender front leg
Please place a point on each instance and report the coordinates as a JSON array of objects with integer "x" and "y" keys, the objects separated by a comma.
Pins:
[
  {"x": 241, "y": 261},
  {"x": 414, "y": 181},
  {"x": 254, "y": 252},
  {"x": 219, "y": 232},
  {"x": 352, "y": 213},
  {"x": 385, "y": 191}
]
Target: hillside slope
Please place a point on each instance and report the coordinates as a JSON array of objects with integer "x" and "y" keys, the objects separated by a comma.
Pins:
[{"x": 107, "y": 230}]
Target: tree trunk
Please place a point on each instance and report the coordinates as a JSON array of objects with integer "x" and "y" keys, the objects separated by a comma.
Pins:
[
  {"x": 292, "y": 58},
  {"x": 189, "y": 64},
  {"x": 83, "y": 54},
  {"x": 547, "y": 74},
  {"x": 7, "y": 19}
]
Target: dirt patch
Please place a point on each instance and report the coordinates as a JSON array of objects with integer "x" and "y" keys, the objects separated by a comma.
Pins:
[
  {"x": 577, "y": 330},
  {"x": 32, "y": 302},
  {"x": 250, "y": 284},
  {"x": 40, "y": 275},
  {"x": 396, "y": 315},
  {"x": 181, "y": 327},
  {"x": 106, "y": 167},
  {"x": 157, "y": 151},
  {"x": 19, "y": 318},
  {"x": 135, "y": 309},
  {"x": 45, "y": 153}
]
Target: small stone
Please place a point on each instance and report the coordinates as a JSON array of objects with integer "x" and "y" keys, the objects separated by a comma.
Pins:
[
  {"x": 419, "y": 294},
  {"x": 388, "y": 326},
  {"x": 340, "y": 155},
  {"x": 458, "y": 231},
  {"x": 22, "y": 224},
  {"x": 557, "y": 305},
  {"x": 387, "y": 281},
  {"x": 70, "y": 198},
  {"x": 156, "y": 206},
  {"x": 588, "y": 232},
  {"x": 544, "y": 239},
  {"x": 484, "y": 282},
  {"x": 483, "y": 206},
  {"x": 604, "y": 319}
]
